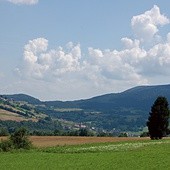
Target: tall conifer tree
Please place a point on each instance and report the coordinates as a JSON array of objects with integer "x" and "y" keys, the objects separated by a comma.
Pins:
[{"x": 159, "y": 119}]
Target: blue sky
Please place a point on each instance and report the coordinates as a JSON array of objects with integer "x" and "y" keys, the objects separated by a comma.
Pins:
[{"x": 66, "y": 50}]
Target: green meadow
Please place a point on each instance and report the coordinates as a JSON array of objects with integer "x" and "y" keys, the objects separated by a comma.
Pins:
[{"x": 136, "y": 155}]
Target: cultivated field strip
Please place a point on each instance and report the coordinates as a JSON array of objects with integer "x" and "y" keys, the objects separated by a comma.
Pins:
[
  {"x": 123, "y": 146},
  {"x": 47, "y": 141}
]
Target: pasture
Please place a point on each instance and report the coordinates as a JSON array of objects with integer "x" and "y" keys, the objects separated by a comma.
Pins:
[{"x": 133, "y": 153}]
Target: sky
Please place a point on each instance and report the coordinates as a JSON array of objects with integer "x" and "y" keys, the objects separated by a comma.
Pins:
[{"x": 70, "y": 50}]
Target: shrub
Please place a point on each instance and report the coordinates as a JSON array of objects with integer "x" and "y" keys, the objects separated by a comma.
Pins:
[
  {"x": 6, "y": 145},
  {"x": 123, "y": 135},
  {"x": 20, "y": 140},
  {"x": 144, "y": 134}
]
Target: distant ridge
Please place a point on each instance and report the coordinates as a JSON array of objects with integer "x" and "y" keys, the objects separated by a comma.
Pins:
[
  {"x": 140, "y": 97},
  {"x": 123, "y": 111},
  {"x": 141, "y": 88},
  {"x": 23, "y": 97},
  {"x": 143, "y": 92}
]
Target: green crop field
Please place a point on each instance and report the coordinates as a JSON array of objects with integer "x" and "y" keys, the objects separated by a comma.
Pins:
[{"x": 146, "y": 155}]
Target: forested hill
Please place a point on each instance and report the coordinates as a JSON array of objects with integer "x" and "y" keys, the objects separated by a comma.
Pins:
[
  {"x": 127, "y": 110},
  {"x": 140, "y": 97},
  {"x": 23, "y": 97}
]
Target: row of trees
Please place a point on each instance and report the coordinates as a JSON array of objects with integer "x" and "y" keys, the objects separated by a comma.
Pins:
[{"x": 60, "y": 132}]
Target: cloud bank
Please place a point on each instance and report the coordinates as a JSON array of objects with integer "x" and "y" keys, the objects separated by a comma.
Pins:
[
  {"x": 145, "y": 26},
  {"x": 142, "y": 60},
  {"x": 24, "y": 2}
]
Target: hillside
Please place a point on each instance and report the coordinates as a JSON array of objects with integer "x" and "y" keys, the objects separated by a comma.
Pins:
[
  {"x": 119, "y": 111},
  {"x": 140, "y": 97},
  {"x": 123, "y": 111},
  {"x": 9, "y": 115},
  {"x": 25, "y": 111},
  {"x": 15, "y": 114},
  {"x": 22, "y": 97},
  {"x": 22, "y": 109}
]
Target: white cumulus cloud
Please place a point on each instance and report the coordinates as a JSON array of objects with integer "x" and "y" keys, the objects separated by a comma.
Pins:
[
  {"x": 145, "y": 26},
  {"x": 74, "y": 73},
  {"x": 39, "y": 61}
]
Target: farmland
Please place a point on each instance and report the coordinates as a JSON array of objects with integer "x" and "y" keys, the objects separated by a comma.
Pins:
[
  {"x": 129, "y": 153},
  {"x": 7, "y": 115},
  {"x": 48, "y": 141},
  {"x": 43, "y": 141}
]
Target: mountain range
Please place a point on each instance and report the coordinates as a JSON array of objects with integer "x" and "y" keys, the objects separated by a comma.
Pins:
[{"x": 125, "y": 111}]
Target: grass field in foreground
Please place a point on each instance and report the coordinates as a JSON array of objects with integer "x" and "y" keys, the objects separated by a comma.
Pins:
[{"x": 121, "y": 155}]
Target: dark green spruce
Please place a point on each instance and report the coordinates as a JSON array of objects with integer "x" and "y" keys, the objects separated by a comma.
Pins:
[{"x": 158, "y": 120}]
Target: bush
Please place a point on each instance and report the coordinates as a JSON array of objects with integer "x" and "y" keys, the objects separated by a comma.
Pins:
[
  {"x": 18, "y": 140},
  {"x": 144, "y": 134},
  {"x": 6, "y": 145},
  {"x": 123, "y": 135}
]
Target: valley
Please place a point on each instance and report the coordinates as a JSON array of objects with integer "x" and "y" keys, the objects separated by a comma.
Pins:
[{"x": 114, "y": 113}]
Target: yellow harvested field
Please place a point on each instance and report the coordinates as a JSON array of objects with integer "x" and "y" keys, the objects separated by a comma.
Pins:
[
  {"x": 46, "y": 141},
  {"x": 7, "y": 115},
  {"x": 49, "y": 141}
]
